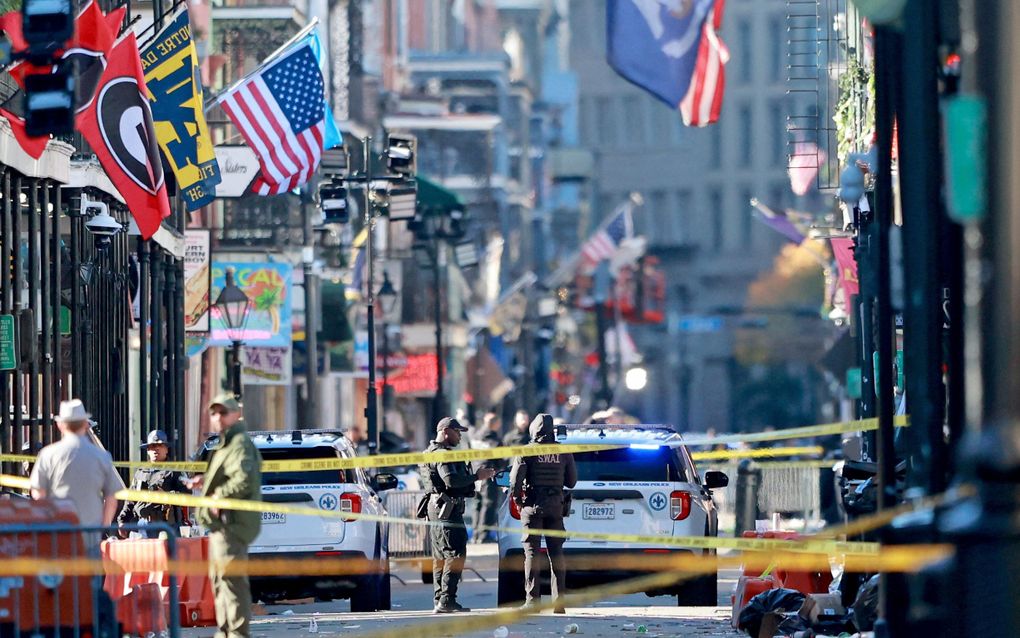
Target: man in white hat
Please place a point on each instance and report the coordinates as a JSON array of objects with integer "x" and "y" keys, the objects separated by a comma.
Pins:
[{"x": 75, "y": 469}]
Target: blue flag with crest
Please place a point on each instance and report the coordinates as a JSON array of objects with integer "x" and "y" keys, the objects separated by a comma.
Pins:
[{"x": 654, "y": 43}]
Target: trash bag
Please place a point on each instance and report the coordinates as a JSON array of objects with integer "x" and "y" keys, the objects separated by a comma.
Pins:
[
  {"x": 772, "y": 600},
  {"x": 865, "y": 609}
]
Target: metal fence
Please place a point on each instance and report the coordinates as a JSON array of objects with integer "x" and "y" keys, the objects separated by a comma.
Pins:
[
  {"x": 406, "y": 541},
  {"x": 793, "y": 492},
  {"x": 63, "y": 598}
]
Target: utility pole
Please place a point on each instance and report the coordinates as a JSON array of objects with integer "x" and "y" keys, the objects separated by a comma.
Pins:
[
  {"x": 372, "y": 407},
  {"x": 602, "y": 284},
  {"x": 312, "y": 312}
]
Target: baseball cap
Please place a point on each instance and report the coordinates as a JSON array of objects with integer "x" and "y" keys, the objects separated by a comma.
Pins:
[
  {"x": 156, "y": 437},
  {"x": 227, "y": 400},
  {"x": 450, "y": 423}
]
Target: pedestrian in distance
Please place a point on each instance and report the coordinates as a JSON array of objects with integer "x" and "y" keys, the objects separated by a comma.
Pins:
[
  {"x": 448, "y": 485},
  {"x": 154, "y": 479},
  {"x": 487, "y": 503},
  {"x": 519, "y": 435},
  {"x": 538, "y": 486},
  {"x": 234, "y": 471},
  {"x": 75, "y": 469}
]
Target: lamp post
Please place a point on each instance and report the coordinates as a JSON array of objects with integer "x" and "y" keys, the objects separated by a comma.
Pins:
[
  {"x": 388, "y": 300},
  {"x": 233, "y": 307}
]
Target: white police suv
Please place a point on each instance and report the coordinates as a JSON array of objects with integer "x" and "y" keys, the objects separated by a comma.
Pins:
[
  {"x": 298, "y": 536},
  {"x": 648, "y": 486}
]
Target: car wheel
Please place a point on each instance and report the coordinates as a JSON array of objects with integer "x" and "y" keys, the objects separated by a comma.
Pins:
[
  {"x": 702, "y": 591},
  {"x": 510, "y": 589}
]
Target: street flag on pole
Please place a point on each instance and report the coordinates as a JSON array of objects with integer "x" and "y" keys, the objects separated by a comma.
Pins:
[
  {"x": 703, "y": 102},
  {"x": 280, "y": 110},
  {"x": 777, "y": 221},
  {"x": 654, "y": 43},
  {"x": 170, "y": 63},
  {"x": 118, "y": 126},
  {"x": 607, "y": 239}
]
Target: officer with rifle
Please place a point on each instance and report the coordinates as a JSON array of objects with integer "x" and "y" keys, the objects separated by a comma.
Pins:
[{"x": 448, "y": 485}]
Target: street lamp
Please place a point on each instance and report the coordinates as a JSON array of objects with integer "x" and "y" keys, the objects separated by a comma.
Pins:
[
  {"x": 636, "y": 378},
  {"x": 388, "y": 300},
  {"x": 233, "y": 307}
]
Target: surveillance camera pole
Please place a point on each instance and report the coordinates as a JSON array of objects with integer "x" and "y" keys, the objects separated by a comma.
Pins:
[{"x": 372, "y": 408}]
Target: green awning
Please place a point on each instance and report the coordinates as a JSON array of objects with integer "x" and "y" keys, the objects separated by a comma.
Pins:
[
  {"x": 335, "y": 326},
  {"x": 434, "y": 198}
]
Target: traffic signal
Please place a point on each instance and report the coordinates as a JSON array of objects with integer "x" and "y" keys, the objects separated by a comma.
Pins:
[
  {"x": 47, "y": 25},
  {"x": 333, "y": 200},
  {"x": 400, "y": 153},
  {"x": 49, "y": 103}
]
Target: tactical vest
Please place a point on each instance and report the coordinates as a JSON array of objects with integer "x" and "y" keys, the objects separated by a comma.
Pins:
[{"x": 546, "y": 471}]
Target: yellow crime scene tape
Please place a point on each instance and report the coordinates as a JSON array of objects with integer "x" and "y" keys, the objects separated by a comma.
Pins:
[
  {"x": 805, "y": 432},
  {"x": 446, "y": 456},
  {"x": 899, "y": 558},
  {"x": 673, "y": 572},
  {"x": 821, "y": 543},
  {"x": 689, "y": 542},
  {"x": 450, "y": 456},
  {"x": 821, "y": 464}
]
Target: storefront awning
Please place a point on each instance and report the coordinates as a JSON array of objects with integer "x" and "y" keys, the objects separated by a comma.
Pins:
[{"x": 435, "y": 198}]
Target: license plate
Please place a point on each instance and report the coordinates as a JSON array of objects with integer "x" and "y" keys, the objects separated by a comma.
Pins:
[
  {"x": 271, "y": 518},
  {"x": 598, "y": 511}
]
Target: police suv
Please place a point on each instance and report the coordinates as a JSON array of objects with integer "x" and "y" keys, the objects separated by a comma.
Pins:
[
  {"x": 298, "y": 537},
  {"x": 648, "y": 486}
]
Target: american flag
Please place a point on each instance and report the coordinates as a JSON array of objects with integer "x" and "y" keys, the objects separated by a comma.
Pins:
[
  {"x": 703, "y": 102},
  {"x": 281, "y": 114},
  {"x": 604, "y": 243}
]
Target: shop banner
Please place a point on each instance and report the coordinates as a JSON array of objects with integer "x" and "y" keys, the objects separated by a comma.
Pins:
[
  {"x": 238, "y": 167},
  {"x": 268, "y": 286},
  {"x": 197, "y": 268},
  {"x": 266, "y": 366}
]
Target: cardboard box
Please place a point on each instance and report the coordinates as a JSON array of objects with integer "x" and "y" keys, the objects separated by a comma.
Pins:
[{"x": 822, "y": 607}]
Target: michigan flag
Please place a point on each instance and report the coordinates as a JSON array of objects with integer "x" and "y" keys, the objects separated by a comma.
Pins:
[{"x": 170, "y": 63}]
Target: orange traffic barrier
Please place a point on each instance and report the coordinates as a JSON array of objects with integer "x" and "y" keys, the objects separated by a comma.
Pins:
[
  {"x": 46, "y": 603},
  {"x": 134, "y": 563},
  {"x": 195, "y": 600}
]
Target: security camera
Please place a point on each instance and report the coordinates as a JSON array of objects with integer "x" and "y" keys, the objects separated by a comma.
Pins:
[{"x": 101, "y": 224}]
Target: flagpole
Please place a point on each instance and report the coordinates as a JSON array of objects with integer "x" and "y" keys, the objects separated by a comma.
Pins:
[
  {"x": 272, "y": 56},
  {"x": 634, "y": 200}
]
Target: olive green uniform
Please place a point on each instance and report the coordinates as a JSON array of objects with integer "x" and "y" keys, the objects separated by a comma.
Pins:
[
  {"x": 537, "y": 485},
  {"x": 235, "y": 471},
  {"x": 449, "y": 485}
]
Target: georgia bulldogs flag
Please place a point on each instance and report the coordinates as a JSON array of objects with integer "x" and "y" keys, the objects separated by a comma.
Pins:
[{"x": 118, "y": 126}]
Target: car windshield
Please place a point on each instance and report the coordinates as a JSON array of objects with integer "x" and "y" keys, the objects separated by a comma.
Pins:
[
  {"x": 304, "y": 477},
  {"x": 656, "y": 465}
]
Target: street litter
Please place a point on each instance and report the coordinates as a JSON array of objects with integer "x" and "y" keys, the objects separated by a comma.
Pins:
[
  {"x": 288, "y": 612},
  {"x": 572, "y": 628},
  {"x": 313, "y": 627}
]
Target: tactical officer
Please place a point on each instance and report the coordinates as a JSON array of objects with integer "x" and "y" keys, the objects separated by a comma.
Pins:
[
  {"x": 153, "y": 479},
  {"x": 234, "y": 471},
  {"x": 537, "y": 486},
  {"x": 448, "y": 485}
]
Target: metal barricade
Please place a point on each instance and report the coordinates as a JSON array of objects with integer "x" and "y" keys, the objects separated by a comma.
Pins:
[
  {"x": 54, "y": 586},
  {"x": 793, "y": 492},
  {"x": 406, "y": 541}
]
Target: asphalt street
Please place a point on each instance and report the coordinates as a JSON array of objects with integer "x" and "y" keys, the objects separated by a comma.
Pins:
[{"x": 412, "y": 607}]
